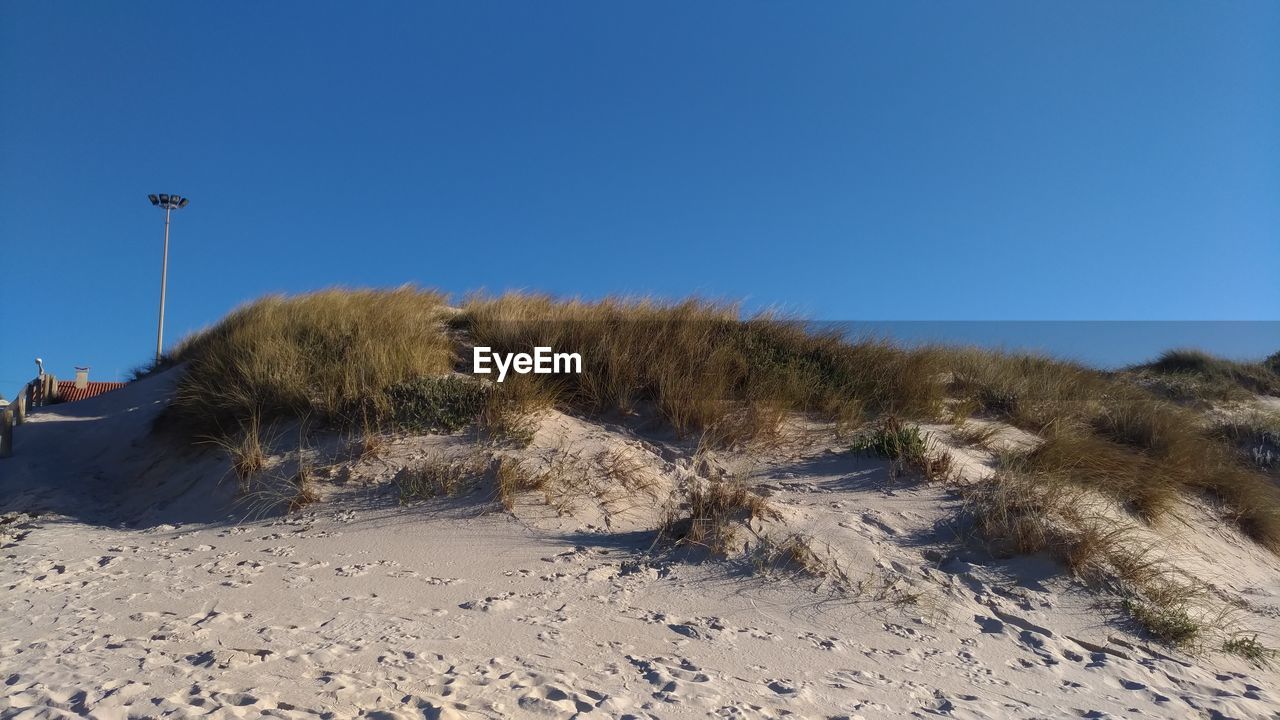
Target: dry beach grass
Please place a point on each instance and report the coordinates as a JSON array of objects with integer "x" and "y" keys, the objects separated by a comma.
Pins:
[
  {"x": 324, "y": 354},
  {"x": 346, "y": 356}
]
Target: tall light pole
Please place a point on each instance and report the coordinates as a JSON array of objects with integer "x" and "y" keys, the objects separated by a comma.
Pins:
[{"x": 169, "y": 203}]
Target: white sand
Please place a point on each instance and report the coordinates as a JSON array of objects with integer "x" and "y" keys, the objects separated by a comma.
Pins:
[{"x": 139, "y": 591}]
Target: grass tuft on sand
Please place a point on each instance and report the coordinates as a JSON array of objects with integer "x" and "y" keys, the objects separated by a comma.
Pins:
[
  {"x": 712, "y": 513},
  {"x": 325, "y": 355},
  {"x": 904, "y": 444}
]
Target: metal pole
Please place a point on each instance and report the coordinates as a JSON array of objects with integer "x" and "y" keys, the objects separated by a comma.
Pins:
[{"x": 164, "y": 278}]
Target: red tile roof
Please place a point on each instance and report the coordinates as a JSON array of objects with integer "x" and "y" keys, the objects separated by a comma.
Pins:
[{"x": 68, "y": 392}]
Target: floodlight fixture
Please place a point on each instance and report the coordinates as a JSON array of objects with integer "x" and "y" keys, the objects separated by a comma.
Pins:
[{"x": 168, "y": 202}]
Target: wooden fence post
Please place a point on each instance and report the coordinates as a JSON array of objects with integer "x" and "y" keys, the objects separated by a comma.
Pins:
[
  {"x": 6, "y": 433},
  {"x": 47, "y": 391},
  {"x": 20, "y": 412}
]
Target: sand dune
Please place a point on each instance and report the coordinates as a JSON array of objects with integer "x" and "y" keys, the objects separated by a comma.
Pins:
[{"x": 135, "y": 586}]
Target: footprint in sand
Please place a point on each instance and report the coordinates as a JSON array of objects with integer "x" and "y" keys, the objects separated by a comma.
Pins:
[
  {"x": 491, "y": 604},
  {"x": 668, "y": 673},
  {"x": 358, "y": 569},
  {"x": 577, "y": 554},
  {"x": 822, "y": 642}
]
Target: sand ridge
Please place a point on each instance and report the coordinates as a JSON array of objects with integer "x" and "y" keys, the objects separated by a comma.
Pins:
[{"x": 358, "y": 607}]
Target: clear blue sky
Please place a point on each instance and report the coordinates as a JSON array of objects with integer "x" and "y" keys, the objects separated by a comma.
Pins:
[{"x": 844, "y": 160}]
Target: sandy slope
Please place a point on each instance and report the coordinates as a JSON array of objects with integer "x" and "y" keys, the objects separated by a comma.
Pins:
[{"x": 138, "y": 591}]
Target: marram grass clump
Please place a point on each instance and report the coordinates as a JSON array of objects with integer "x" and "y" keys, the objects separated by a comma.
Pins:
[
  {"x": 700, "y": 366},
  {"x": 904, "y": 444},
  {"x": 325, "y": 355},
  {"x": 1194, "y": 376}
]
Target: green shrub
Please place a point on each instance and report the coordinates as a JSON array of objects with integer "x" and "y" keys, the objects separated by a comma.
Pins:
[
  {"x": 893, "y": 440},
  {"x": 445, "y": 404},
  {"x": 1249, "y": 648},
  {"x": 1272, "y": 363},
  {"x": 1169, "y": 623},
  {"x": 904, "y": 444}
]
